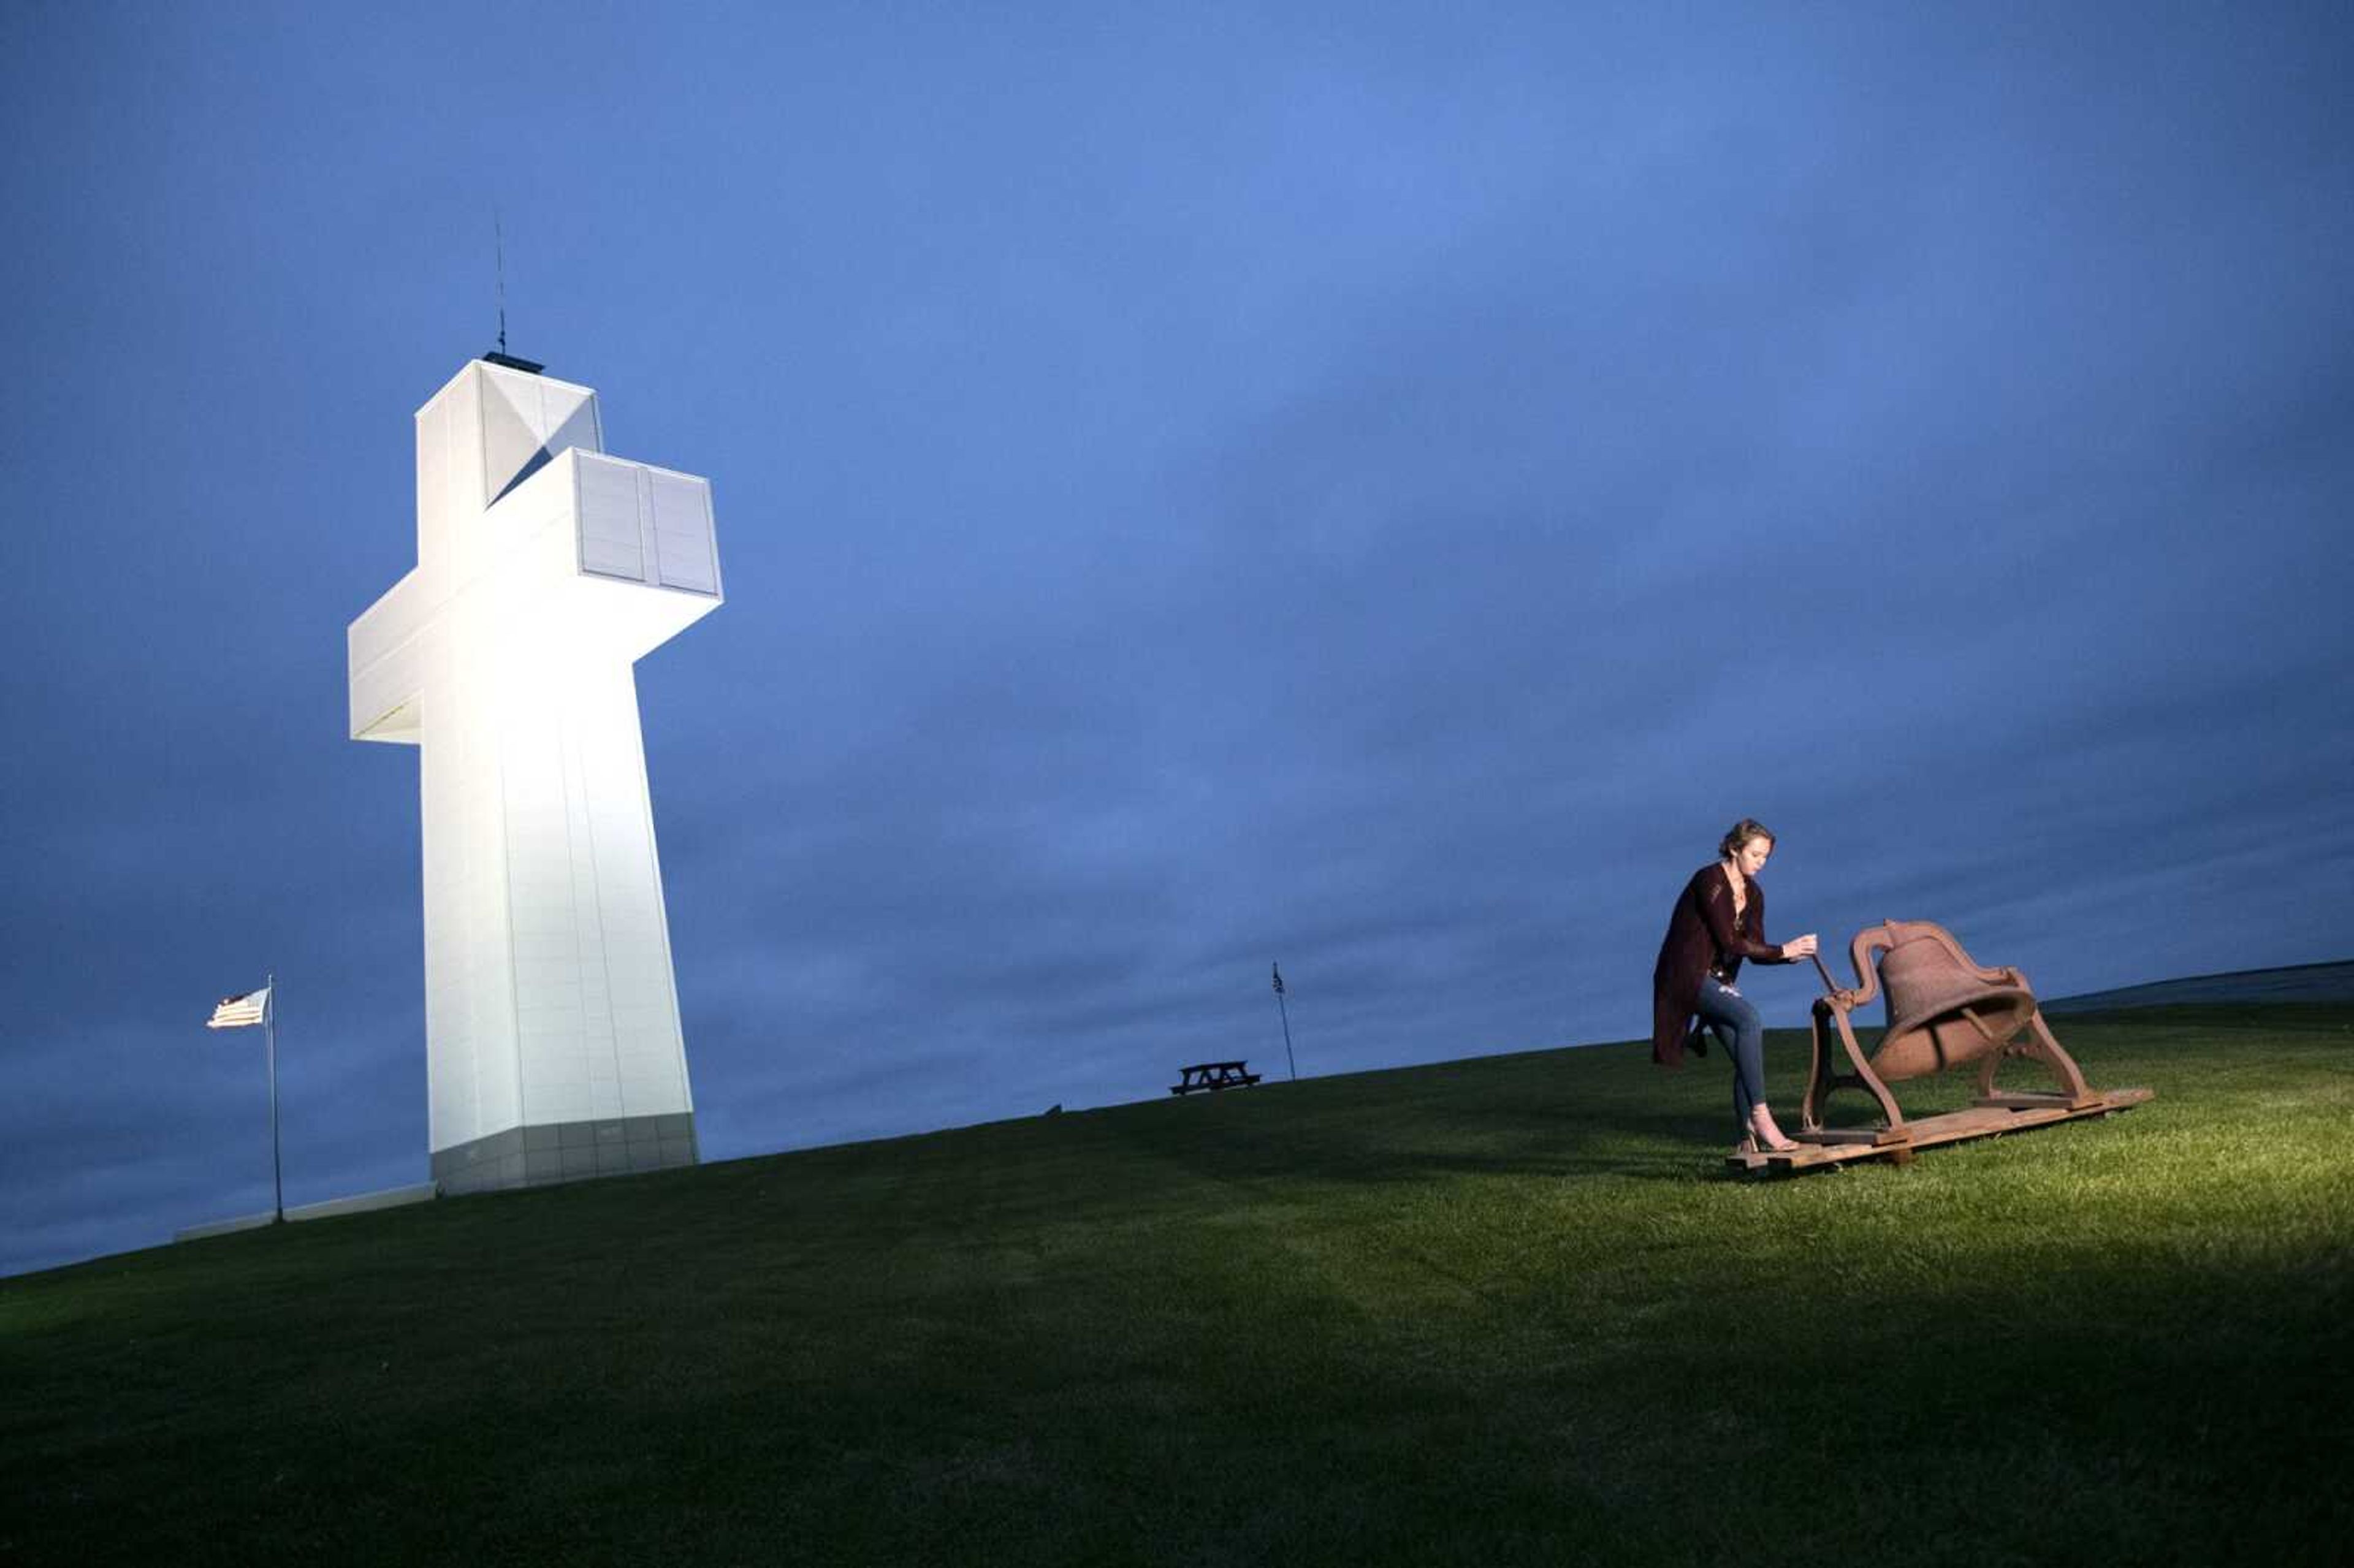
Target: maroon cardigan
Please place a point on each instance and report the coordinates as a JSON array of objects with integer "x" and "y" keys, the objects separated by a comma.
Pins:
[{"x": 1702, "y": 935}]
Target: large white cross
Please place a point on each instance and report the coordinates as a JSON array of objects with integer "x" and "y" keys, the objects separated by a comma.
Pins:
[{"x": 544, "y": 570}]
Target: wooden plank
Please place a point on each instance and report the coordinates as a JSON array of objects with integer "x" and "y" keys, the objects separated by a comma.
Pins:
[
  {"x": 1853, "y": 1135},
  {"x": 1982, "y": 1121},
  {"x": 1978, "y": 1119},
  {"x": 2112, "y": 1098},
  {"x": 2033, "y": 1101}
]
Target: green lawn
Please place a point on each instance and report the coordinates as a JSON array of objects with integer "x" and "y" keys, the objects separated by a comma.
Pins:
[{"x": 1498, "y": 1311}]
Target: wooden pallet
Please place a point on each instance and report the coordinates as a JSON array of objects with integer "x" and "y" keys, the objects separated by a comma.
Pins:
[{"x": 1987, "y": 1118}]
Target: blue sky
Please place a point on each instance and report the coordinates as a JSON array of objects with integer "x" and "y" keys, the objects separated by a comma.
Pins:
[{"x": 1375, "y": 487}]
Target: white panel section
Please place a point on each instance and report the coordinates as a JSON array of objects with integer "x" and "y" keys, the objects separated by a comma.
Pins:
[
  {"x": 592, "y": 960},
  {"x": 649, "y": 1053},
  {"x": 613, "y": 522},
  {"x": 474, "y": 1086},
  {"x": 433, "y": 472},
  {"x": 568, "y": 418},
  {"x": 683, "y": 542},
  {"x": 450, "y": 465},
  {"x": 386, "y": 650},
  {"x": 511, "y": 433}
]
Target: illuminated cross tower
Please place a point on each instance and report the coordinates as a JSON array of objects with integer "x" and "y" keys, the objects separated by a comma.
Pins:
[{"x": 543, "y": 570}]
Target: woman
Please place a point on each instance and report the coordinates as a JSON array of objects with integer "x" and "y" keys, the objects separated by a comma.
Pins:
[{"x": 1719, "y": 921}]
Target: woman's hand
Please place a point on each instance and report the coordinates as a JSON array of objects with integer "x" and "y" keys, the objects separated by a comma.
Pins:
[{"x": 1799, "y": 948}]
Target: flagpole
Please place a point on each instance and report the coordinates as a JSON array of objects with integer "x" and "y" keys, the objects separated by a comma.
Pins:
[
  {"x": 270, "y": 1033},
  {"x": 1285, "y": 1013}
]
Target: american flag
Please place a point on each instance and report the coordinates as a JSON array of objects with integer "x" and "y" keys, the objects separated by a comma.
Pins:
[
  {"x": 1279, "y": 978},
  {"x": 238, "y": 1011}
]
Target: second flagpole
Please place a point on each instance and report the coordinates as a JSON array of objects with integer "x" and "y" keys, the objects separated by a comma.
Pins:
[
  {"x": 269, "y": 1033},
  {"x": 1285, "y": 1013}
]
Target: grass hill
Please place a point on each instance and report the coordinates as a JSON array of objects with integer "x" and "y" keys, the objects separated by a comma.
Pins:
[{"x": 1498, "y": 1311}]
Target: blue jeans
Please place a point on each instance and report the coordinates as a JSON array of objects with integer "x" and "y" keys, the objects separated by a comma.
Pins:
[{"x": 1736, "y": 1025}]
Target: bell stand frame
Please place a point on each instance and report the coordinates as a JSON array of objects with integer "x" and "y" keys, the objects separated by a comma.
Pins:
[{"x": 1839, "y": 1002}]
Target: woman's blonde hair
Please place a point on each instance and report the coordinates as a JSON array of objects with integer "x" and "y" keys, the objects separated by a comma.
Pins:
[{"x": 1743, "y": 831}]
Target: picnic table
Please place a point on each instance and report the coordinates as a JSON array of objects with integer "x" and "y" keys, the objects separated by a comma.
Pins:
[{"x": 1212, "y": 1076}]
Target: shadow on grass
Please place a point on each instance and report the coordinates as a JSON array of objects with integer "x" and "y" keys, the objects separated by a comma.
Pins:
[{"x": 1600, "y": 1396}]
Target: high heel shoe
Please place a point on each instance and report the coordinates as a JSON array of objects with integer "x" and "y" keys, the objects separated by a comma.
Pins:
[{"x": 1767, "y": 1137}]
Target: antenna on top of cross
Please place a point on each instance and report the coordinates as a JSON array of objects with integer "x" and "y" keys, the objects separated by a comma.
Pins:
[{"x": 500, "y": 356}]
